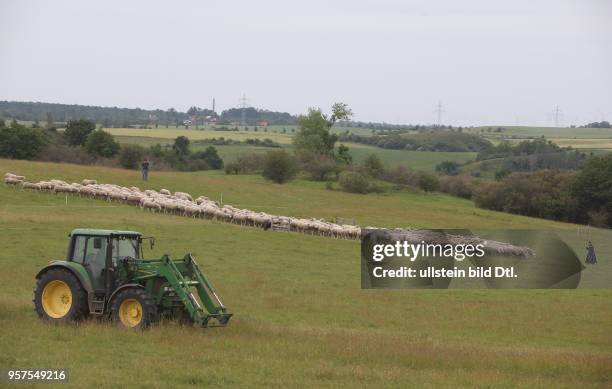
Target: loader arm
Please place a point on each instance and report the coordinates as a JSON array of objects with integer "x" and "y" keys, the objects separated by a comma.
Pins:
[{"x": 183, "y": 276}]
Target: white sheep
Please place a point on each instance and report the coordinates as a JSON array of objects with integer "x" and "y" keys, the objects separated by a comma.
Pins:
[{"x": 181, "y": 203}]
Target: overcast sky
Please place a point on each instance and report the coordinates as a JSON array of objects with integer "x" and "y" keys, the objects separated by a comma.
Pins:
[{"x": 488, "y": 62}]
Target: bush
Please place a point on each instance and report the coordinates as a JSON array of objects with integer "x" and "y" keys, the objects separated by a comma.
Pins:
[
  {"x": 373, "y": 166},
  {"x": 404, "y": 176},
  {"x": 19, "y": 142},
  {"x": 489, "y": 195},
  {"x": 77, "y": 131},
  {"x": 181, "y": 145},
  {"x": 279, "y": 167},
  {"x": 244, "y": 164},
  {"x": 130, "y": 156},
  {"x": 593, "y": 188},
  {"x": 210, "y": 157},
  {"x": 354, "y": 182},
  {"x": 546, "y": 194},
  {"x": 399, "y": 175},
  {"x": 101, "y": 144},
  {"x": 56, "y": 152},
  {"x": 599, "y": 218},
  {"x": 460, "y": 186},
  {"x": 427, "y": 181},
  {"x": 448, "y": 168},
  {"x": 318, "y": 166},
  {"x": 434, "y": 140}
]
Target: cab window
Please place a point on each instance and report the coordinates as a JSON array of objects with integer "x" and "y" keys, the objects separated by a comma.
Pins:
[
  {"x": 124, "y": 247},
  {"x": 95, "y": 251},
  {"x": 78, "y": 252}
]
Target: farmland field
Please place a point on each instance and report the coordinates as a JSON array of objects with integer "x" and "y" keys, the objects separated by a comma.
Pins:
[
  {"x": 548, "y": 132},
  {"x": 585, "y": 139},
  {"x": 192, "y": 134},
  {"x": 585, "y": 143},
  {"x": 301, "y": 318}
]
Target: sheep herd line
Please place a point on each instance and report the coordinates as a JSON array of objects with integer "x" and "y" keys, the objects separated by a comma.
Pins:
[{"x": 181, "y": 203}]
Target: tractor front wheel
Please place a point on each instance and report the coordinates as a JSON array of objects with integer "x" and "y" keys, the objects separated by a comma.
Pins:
[
  {"x": 133, "y": 308},
  {"x": 59, "y": 297}
]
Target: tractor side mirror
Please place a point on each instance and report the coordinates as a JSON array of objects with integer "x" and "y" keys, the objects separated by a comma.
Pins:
[{"x": 97, "y": 243}]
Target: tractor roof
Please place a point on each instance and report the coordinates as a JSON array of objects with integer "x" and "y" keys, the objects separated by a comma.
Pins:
[{"x": 97, "y": 232}]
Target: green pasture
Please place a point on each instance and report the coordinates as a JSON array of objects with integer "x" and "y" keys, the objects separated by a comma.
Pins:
[
  {"x": 418, "y": 160},
  {"x": 301, "y": 319}
]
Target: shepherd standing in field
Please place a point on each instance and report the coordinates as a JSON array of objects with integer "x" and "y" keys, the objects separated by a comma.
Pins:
[
  {"x": 591, "y": 258},
  {"x": 144, "y": 167}
]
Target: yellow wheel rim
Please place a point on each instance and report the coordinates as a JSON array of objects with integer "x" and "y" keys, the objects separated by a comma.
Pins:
[
  {"x": 56, "y": 299},
  {"x": 130, "y": 312}
]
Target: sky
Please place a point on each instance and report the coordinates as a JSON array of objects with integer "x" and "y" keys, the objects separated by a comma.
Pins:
[{"x": 485, "y": 61}]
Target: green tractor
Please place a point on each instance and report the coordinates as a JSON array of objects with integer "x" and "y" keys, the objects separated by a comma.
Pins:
[{"x": 104, "y": 275}]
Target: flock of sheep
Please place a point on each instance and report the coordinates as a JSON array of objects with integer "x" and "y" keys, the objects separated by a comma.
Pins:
[{"x": 181, "y": 203}]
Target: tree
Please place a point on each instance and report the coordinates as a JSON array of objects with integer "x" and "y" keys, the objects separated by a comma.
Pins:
[
  {"x": 448, "y": 168},
  {"x": 279, "y": 167},
  {"x": 314, "y": 129},
  {"x": 343, "y": 155},
  {"x": 211, "y": 157},
  {"x": 593, "y": 188},
  {"x": 130, "y": 156},
  {"x": 101, "y": 144},
  {"x": 172, "y": 114},
  {"x": 427, "y": 181},
  {"x": 19, "y": 142},
  {"x": 373, "y": 166},
  {"x": 77, "y": 131},
  {"x": 181, "y": 145},
  {"x": 49, "y": 120},
  {"x": 318, "y": 166}
]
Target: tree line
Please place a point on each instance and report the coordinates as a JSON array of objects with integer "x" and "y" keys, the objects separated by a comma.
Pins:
[
  {"x": 431, "y": 140},
  {"x": 58, "y": 114},
  {"x": 82, "y": 143}
]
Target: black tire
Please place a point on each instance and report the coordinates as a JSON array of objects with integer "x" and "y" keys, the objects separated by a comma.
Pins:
[
  {"x": 79, "y": 308},
  {"x": 148, "y": 309}
]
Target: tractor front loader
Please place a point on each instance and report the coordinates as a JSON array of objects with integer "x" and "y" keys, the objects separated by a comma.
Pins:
[{"x": 103, "y": 275}]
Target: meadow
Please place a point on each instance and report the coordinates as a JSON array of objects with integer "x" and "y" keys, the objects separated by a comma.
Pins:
[
  {"x": 418, "y": 160},
  {"x": 193, "y": 134},
  {"x": 597, "y": 140},
  {"x": 301, "y": 319},
  {"x": 547, "y": 132}
]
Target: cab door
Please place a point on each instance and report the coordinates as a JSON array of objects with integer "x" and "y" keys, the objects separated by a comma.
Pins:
[{"x": 90, "y": 251}]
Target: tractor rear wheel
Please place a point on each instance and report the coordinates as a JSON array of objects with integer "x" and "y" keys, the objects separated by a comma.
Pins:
[
  {"x": 59, "y": 297},
  {"x": 133, "y": 308}
]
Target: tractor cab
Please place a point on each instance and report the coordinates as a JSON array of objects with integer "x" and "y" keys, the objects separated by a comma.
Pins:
[{"x": 100, "y": 252}]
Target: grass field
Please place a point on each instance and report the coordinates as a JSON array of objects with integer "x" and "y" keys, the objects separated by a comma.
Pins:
[
  {"x": 586, "y": 139},
  {"x": 548, "y": 132},
  {"x": 301, "y": 319},
  {"x": 418, "y": 160},
  {"x": 585, "y": 144},
  {"x": 192, "y": 134}
]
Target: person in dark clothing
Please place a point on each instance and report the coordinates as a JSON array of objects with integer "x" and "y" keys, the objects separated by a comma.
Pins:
[
  {"x": 144, "y": 167},
  {"x": 591, "y": 258}
]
